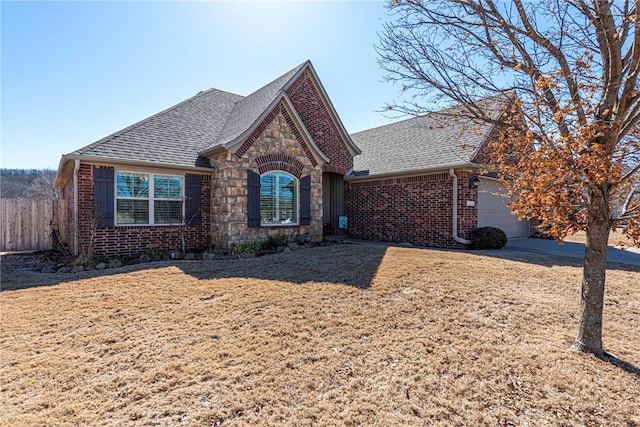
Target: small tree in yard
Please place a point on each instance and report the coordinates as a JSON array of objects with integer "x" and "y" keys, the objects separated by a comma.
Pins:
[{"x": 568, "y": 149}]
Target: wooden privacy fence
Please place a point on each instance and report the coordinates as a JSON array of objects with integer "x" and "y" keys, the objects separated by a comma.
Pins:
[{"x": 29, "y": 224}]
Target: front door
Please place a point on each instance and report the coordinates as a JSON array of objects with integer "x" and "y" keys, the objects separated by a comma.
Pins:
[{"x": 332, "y": 202}]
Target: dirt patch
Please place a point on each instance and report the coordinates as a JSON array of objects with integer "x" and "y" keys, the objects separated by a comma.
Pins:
[
  {"x": 30, "y": 261},
  {"x": 338, "y": 335}
]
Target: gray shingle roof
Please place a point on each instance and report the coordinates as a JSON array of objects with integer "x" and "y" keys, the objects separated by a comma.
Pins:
[
  {"x": 249, "y": 109},
  {"x": 426, "y": 142},
  {"x": 174, "y": 136},
  {"x": 178, "y": 134}
]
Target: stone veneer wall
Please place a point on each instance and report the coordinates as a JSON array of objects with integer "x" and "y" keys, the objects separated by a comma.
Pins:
[
  {"x": 413, "y": 209},
  {"x": 133, "y": 239},
  {"x": 229, "y": 220}
]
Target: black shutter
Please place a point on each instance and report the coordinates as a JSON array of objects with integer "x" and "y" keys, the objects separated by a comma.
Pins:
[
  {"x": 305, "y": 200},
  {"x": 103, "y": 196},
  {"x": 193, "y": 200},
  {"x": 253, "y": 208}
]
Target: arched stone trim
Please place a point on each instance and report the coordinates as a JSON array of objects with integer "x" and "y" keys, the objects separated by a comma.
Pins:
[
  {"x": 281, "y": 162},
  {"x": 257, "y": 132}
]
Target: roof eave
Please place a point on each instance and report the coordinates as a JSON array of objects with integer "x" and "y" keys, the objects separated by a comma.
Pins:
[
  {"x": 212, "y": 151},
  {"x": 412, "y": 172},
  {"x": 61, "y": 177},
  {"x": 62, "y": 174}
]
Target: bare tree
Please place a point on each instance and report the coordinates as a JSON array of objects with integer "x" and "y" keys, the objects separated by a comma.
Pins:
[
  {"x": 28, "y": 183},
  {"x": 42, "y": 188},
  {"x": 567, "y": 75}
]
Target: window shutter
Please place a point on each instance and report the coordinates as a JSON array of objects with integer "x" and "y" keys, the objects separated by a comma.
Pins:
[
  {"x": 305, "y": 200},
  {"x": 193, "y": 200},
  {"x": 253, "y": 209},
  {"x": 103, "y": 196}
]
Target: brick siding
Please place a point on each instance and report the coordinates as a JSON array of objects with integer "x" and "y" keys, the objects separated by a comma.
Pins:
[
  {"x": 414, "y": 209},
  {"x": 484, "y": 153},
  {"x": 67, "y": 194},
  {"x": 318, "y": 121},
  {"x": 133, "y": 239}
]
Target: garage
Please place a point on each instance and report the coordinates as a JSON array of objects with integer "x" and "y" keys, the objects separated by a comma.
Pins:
[{"x": 494, "y": 212}]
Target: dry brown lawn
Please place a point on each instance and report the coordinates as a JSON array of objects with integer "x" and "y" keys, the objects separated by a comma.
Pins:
[{"x": 338, "y": 335}]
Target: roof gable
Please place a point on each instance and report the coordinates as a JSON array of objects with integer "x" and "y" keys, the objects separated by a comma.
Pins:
[{"x": 252, "y": 109}]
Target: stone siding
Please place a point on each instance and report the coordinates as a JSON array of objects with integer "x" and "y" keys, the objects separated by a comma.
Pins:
[
  {"x": 413, "y": 209},
  {"x": 277, "y": 147}
]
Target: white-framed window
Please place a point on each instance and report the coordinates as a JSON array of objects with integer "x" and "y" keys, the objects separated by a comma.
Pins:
[
  {"x": 278, "y": 199},
  {"x": 148, "y": 199}
]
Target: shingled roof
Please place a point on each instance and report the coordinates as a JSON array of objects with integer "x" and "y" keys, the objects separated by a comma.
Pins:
[
  {"x": 174, "y": 136},
  {"x": 248, "y": 110},
  {"x": 439, "y": 140},
  {"x": 180, "y": 134}
]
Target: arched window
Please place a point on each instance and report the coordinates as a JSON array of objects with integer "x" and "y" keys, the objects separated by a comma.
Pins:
[{"x": 278, "y": 198}]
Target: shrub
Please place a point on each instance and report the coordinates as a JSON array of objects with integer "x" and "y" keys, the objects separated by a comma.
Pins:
[
  {"x": 250, "y": 247},
  {"x": 214, "y": 251},
  {"x": 276, "y": 241},
  {"x": 151, "y": 252},
  {"x": 488, "y": 238}
]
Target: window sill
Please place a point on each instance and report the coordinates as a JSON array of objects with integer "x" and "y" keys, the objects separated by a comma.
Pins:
[{"x": 149, "y": 225}]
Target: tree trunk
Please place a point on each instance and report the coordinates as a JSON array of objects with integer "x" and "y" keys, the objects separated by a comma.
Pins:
[{"x": 589, "y": 339}]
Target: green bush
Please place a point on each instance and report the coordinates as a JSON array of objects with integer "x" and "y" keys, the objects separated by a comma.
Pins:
[
  {"x": 276, "y": 241},
  {"x": 151, "y": 252},
  {"x": 488, "y": 238},
  {"x": 250, "y": 247}
]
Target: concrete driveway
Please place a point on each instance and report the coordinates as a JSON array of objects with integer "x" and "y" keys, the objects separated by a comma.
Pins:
[{"x": 569, "y": 249}]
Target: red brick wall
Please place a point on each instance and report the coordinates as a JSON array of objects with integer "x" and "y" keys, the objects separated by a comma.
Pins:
[
  {"x": 317, "y": 119},
  {"x": 135, "y": 239},
  {"x": 67, "y": 194},
  {"x": 483, "y": 155},
  {"x": 415, "y": 209}
]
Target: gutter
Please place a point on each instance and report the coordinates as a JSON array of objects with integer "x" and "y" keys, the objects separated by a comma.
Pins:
[
  {"x": 61, "y": 180},
  {"x": 412, "y": 172},
  {"x": 455, "y": 210},
  {"x": 116, "y": 161}
]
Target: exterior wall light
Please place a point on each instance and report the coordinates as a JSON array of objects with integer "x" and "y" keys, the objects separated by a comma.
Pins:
[{"x": 474, "y": 182}]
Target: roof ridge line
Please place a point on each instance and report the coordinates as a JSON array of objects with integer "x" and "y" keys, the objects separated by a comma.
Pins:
[
  {"x": 129, "y": 128},
  {"x": 436, "y": 112}
]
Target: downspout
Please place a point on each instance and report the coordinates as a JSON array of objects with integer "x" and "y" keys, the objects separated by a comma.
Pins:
[
  {"x": 75, "y": 206},
  {"x": 455, "y": 210}
]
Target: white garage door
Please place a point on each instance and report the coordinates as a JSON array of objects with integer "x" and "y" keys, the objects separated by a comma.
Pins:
[{"x": 493, "y": 210}]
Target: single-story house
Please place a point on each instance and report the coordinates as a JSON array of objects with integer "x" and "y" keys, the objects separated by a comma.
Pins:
[
  {"x": 221, "y": 169},
  {"x": 420, "y": 181},
  {"x": 217, "y": 169}
]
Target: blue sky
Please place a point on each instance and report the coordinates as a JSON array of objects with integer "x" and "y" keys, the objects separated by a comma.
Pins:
[{"x": 74, "y": 72}]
